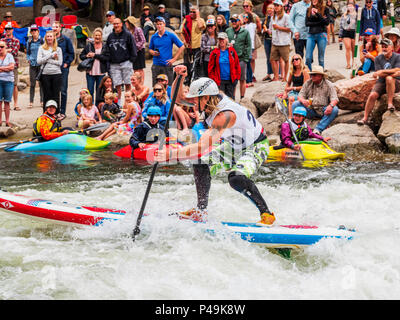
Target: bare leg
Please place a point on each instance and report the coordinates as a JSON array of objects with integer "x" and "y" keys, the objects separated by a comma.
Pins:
[
  {"x": 390, "y": 89},
  {"x": 7, "y": 112},
  {"x": 373, "y": 96},
  {"x": 15, "y": 96},
  {"x": 275, "y": 69}
]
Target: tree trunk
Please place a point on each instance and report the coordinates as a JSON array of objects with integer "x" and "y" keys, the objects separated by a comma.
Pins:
[{"x": 99, "y": 10}]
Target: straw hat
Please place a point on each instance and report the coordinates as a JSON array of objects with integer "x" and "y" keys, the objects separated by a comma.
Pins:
[
  {"x": 317, "y": 70},
  {"x": 132, "y": 20}
]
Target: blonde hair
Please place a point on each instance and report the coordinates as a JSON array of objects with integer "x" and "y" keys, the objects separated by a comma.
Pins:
[
  {"x": 164, "y": 96},
  {"x": 45, "y": 45},
  {"x": 88, "y": 96},
  {"x": 212, "y": 104},
  {"x": 302, "y": 65},
  {"x": 279, "y": 14},
  {"x": 110, "y": 95}
]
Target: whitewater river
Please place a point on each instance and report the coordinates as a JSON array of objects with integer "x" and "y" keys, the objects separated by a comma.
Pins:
[{"x": 175, "y": 260}]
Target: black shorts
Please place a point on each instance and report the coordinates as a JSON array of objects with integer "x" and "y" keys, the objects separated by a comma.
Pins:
[
  {"x": 349, "y": 34},
  {"x": 140, "y": 62}
]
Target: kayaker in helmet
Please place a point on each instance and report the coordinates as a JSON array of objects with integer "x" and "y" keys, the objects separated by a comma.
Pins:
[
  {"x": 149, "y": 130},
  {"x": 47, "y": 126},
  {"x": 243, "y": 150},
  {"x": 300, "y": 128}
]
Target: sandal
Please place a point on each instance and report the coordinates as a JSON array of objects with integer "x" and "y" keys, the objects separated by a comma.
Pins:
[
  {"x": 391, "y": 107},
  {"x": 30, "y": 106},
  {"x": 362, "y": 122},
  {"x": 17, "y": 108}
]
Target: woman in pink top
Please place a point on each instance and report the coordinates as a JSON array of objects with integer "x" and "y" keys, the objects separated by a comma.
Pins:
[{"x": 90, "y": 115}]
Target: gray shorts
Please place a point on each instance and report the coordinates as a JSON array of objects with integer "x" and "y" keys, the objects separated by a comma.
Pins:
[
  {"x": 121, "y": 73},
  {"x": 243, "y": 70}
]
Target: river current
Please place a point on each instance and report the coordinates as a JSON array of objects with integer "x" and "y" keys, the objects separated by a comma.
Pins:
[{"x": 174, "y": 260}]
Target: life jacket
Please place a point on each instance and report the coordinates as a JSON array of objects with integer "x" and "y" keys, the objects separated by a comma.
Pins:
[
  {"x": 56, "y": 127},
  {"x": 301, "y": 131}
]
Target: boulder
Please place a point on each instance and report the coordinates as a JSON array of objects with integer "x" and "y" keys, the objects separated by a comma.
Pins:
[
  {"x": 121, "y": 140},
  {"x": 264, "y": 96},
  {"x": 347, "y": 116},
  {"x": 333, "y": 75},
  {"x": 393, "y": 143},
  {"x": 353, "y": 93},
  {"x": 352, "y": 136},
  {"x": 246, "y": 102},
  {"x": 271, "y": 121},
  {"x": 390, "y": 125}
]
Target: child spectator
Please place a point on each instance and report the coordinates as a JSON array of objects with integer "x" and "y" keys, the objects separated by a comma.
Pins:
[
  {"x": 132, "y": 118},
  {"x": 89, "y": 112},
  {"x": 300, "y": 128},
  {"x": 369, "y": 51},
  {"x": 78, "y": 106},
  {"x": 110, "y": 111},
  {"x": 149, "y": 130}
]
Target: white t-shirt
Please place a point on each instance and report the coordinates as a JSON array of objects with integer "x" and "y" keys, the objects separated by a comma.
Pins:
[
  {"x": 280, "y": 38},
  {"x": 7, "y": 76},
  {"x": 251, "y": 28}
]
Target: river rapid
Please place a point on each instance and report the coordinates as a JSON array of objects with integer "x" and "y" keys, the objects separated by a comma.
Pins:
[{"x": 177, "y": 260}]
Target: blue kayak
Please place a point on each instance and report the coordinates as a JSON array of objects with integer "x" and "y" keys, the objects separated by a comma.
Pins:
[{"x": 69, "y": 142}]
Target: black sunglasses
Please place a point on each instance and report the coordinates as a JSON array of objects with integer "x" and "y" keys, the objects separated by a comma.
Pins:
[
  {"x": 157, "y": 90},
  {"x": 296, "y": 59}
]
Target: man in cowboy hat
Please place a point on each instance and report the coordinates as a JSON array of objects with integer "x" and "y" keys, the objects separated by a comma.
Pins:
[
  {"x": 394, "y": 35},
  {"x": 318, "y": 95}
]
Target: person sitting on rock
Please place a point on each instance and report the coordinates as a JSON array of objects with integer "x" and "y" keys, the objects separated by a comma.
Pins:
[
  {"x": 318, "y": 95},
  {"x": 369, "y": 50},
  {"x": 387, "y": 66},
  {"x": 300, "y": 128}
]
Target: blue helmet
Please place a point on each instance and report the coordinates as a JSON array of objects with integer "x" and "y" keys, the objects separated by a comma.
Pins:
[
  {"x": 301, "y": 111},
  {"x": 154, "y": 111}
]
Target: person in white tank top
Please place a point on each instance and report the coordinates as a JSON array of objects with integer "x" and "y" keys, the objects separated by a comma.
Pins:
[{"x": 244, "y": 147}]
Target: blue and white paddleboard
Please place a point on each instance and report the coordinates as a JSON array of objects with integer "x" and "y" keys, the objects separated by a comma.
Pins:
[{"x": 287, "y": 236}]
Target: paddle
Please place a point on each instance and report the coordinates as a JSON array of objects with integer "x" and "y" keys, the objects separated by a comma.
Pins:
[
  {"x": 136, "y": 231},
  {"x": 98, "y": 126},
  {"x": 279, "y": 105}
]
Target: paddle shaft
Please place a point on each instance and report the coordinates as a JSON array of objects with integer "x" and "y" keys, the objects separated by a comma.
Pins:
[
  {"x": 291, "y": 129},
  {"x": 136, "y": 231}
]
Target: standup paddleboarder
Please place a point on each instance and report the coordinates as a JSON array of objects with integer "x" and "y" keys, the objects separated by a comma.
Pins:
[{"x": 243, "y": 150}]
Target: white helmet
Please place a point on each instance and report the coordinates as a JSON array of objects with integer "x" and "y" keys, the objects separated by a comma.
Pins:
[
  {"x": 51, "y": 103},
  {"x": 203, "y": 87}
]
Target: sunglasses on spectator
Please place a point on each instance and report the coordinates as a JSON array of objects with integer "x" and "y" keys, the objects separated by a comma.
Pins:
[
  {"x": 2, "y": 46},
  {"x": 296, "y": 59},
  {"x": 245, "y": 6},
  {"x": 157, "y": 90},
  {"x": 234, "y": 20}
]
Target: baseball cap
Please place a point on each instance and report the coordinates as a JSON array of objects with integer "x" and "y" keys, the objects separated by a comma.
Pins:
[
  {"x": 222, "y": 35},
  {"x": 146, "y": 8},
  {"x": 161, "y": 5},
  {"x": 369, "y": 31},
  {"x": 278, "y": 2},
  {"x": 235, "y": 17},
  {"x": 386, "y": 42},
  {"x": 210, "y": 22},
  {"x": 34, "y": 27},
  {"x": 160, "y": 19},
  {"x": 162, "y": 76},
  {"x": 110, "y": 13}
]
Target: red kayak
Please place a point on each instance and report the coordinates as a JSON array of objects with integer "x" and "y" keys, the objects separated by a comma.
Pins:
[{"x": 147, "y": 153}]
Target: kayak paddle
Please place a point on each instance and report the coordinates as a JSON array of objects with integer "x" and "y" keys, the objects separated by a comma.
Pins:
[
  {"x": 282, "y": 109},
  {"x": 136, "y": 231}
]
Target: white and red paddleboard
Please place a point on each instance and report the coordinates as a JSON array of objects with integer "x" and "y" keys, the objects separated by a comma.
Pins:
[
  {"x": 277, "y": 236},
  {"x": 53, "y": 212}
]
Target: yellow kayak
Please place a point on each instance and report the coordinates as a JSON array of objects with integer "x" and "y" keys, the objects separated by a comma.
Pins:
[{"x": 312, "y": 150}]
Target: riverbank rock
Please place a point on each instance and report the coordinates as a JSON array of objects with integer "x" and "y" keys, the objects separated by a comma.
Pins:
[
  {"x": 347, "y": 137},
  {"x": 246, "y": 102},
  {"x": 6, "y": 132},
  {"x": 390, "y": 125},
  {"x": 271, "y": 121},
  {"x": 264, "y": 97},
  {"x": 393, "y": 143},
  {"x": 121, "y": 140},
  {"x": 353, "y": 93}
]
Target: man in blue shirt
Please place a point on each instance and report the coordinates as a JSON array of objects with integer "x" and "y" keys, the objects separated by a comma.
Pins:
[
  {"x": 298, "y": 26},
  {"x": 160, "y": 47}
]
